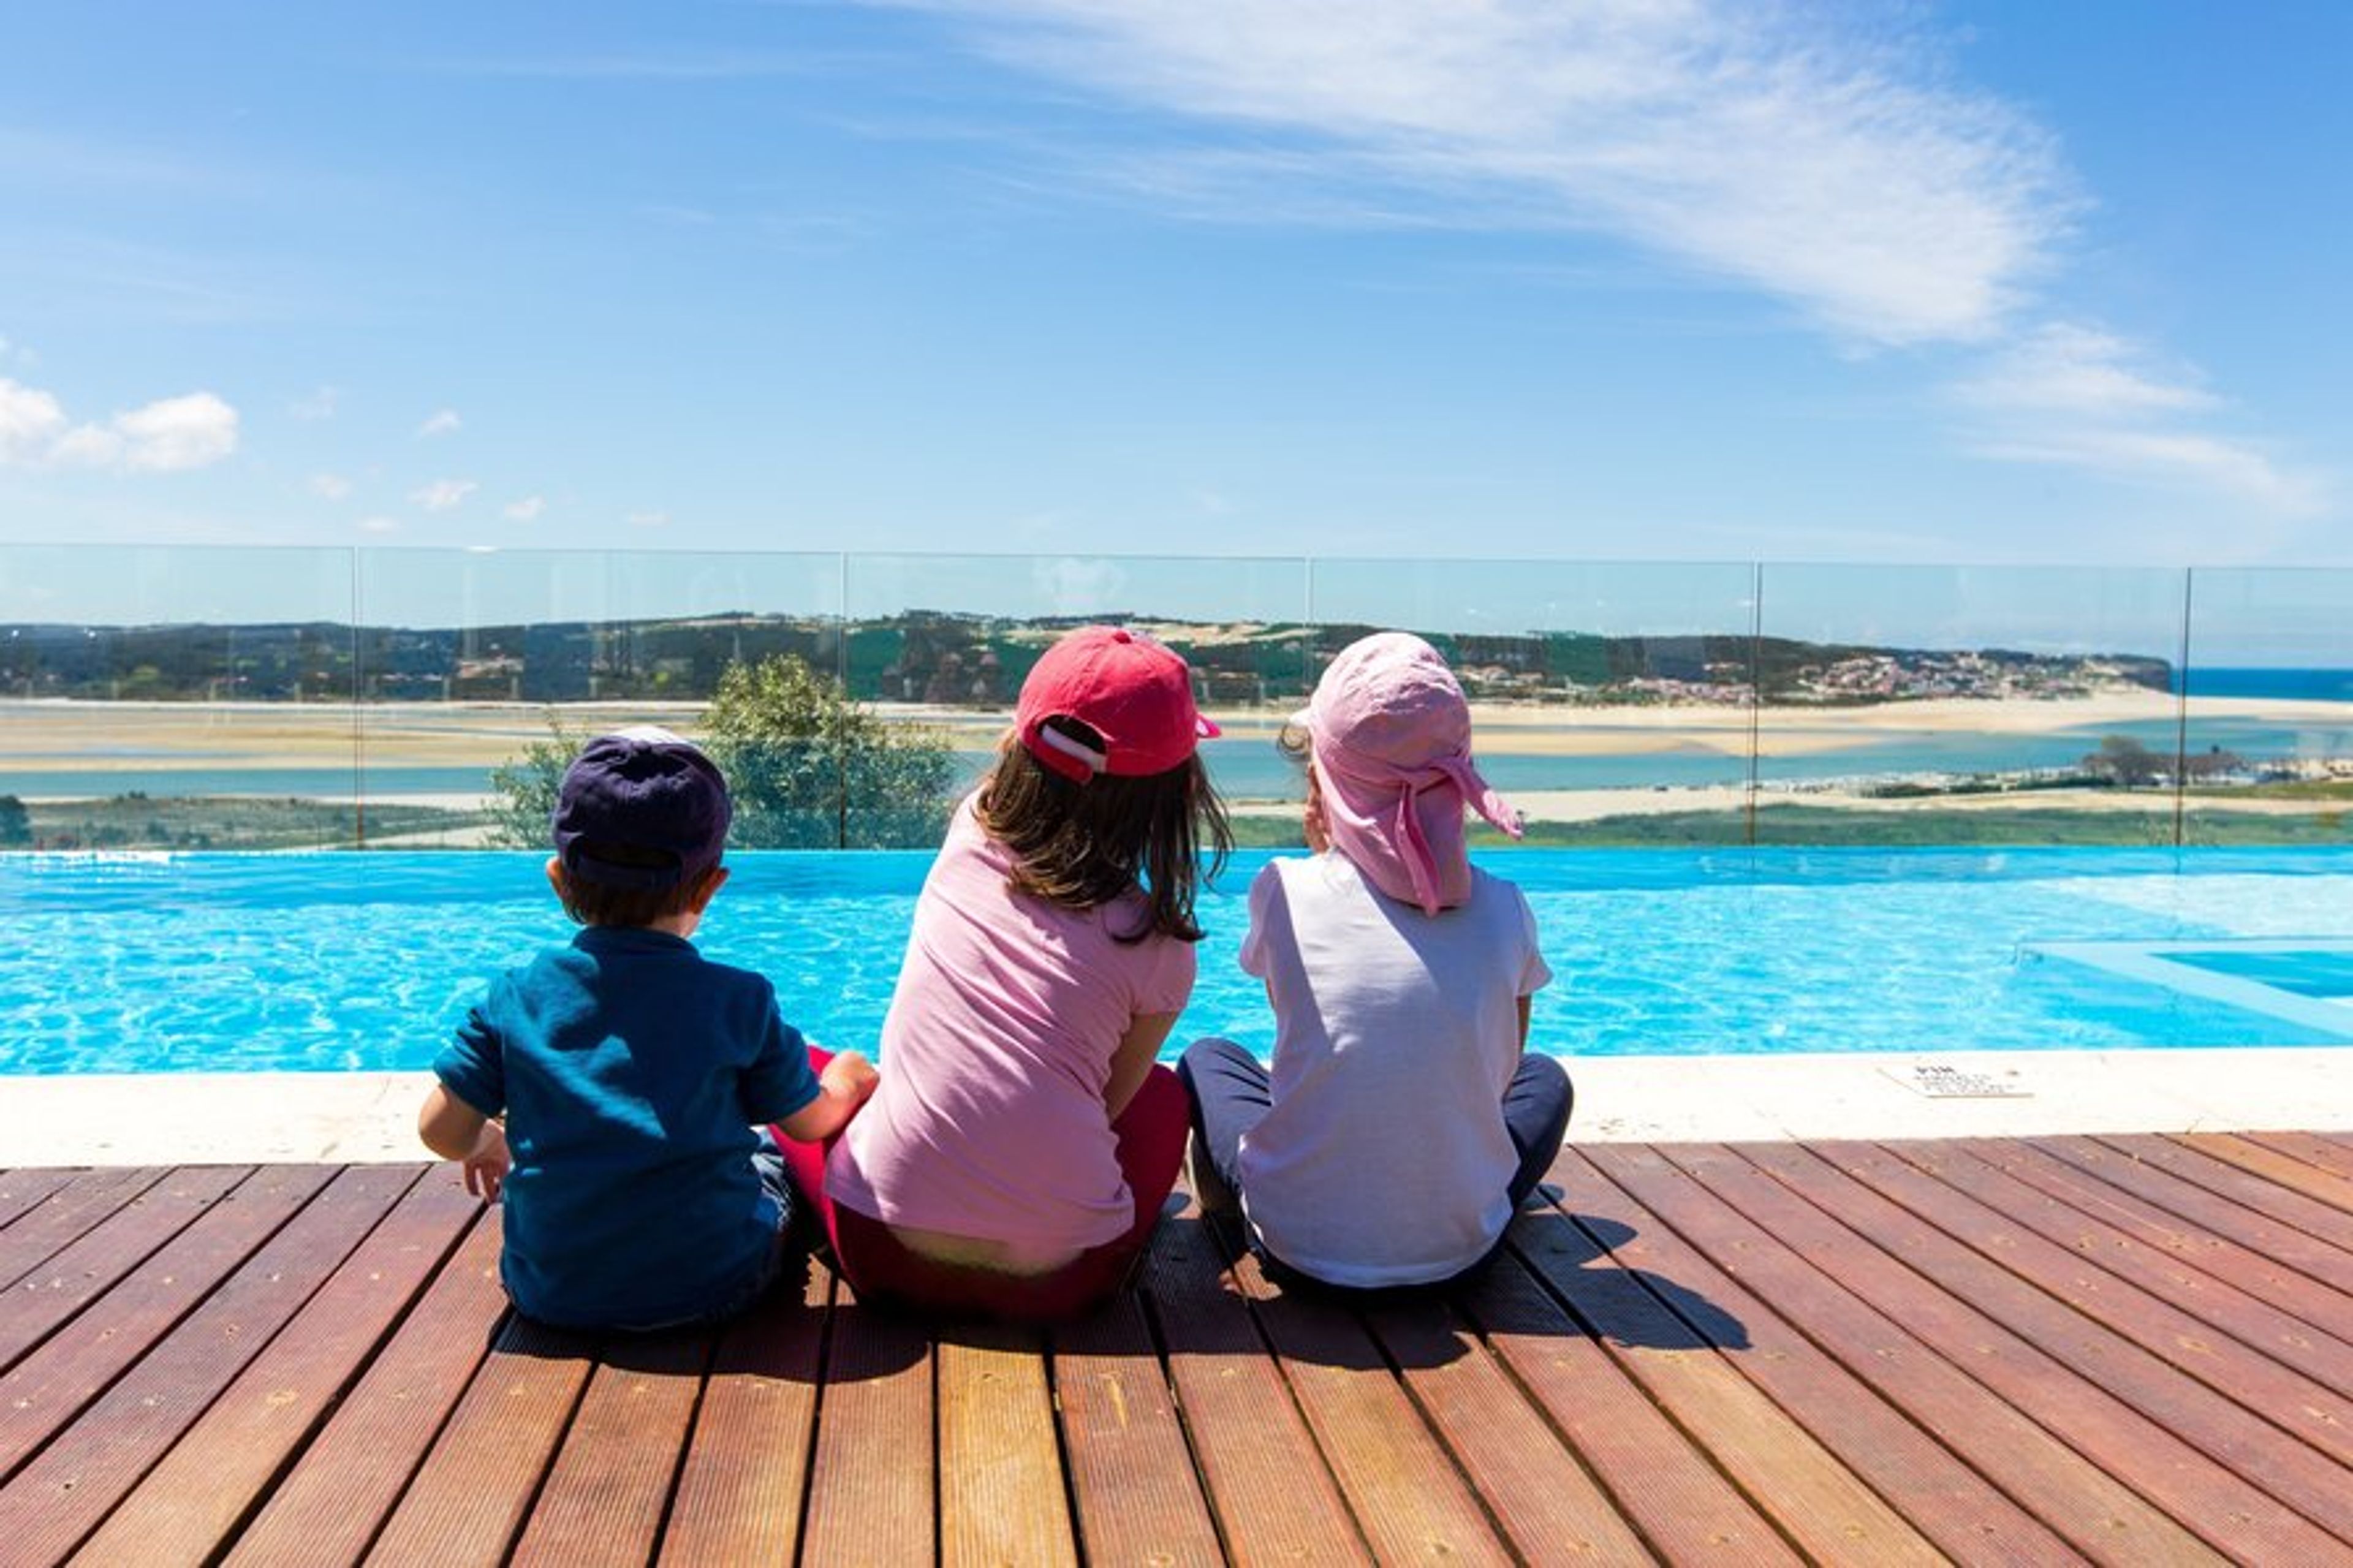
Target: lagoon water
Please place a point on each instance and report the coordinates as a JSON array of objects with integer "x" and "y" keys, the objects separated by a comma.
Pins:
[{"x": 341, "y": 961}]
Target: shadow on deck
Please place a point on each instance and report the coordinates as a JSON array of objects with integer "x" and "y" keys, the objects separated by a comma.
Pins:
[{"x": 2131, "y": 1349}]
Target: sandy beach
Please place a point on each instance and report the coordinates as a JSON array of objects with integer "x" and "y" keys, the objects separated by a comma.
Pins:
[{"x": 62, "y": 737}]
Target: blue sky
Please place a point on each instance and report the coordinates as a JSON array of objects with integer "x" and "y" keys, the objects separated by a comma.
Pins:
[{"x": 1671, "y": 279}]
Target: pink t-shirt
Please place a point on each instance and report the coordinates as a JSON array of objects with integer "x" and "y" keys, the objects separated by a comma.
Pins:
[{"x": 989, "y": 1118}]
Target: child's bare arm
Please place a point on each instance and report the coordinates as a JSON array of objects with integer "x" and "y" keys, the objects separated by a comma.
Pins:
[
  {"x": 456, "y": 1131},
  {"x": 844, "y": 1085},
  {"x": 1137, "y": 1050}
]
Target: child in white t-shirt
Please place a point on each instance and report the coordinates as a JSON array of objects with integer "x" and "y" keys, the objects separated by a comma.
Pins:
[{"x": 1402, "y": 1122}]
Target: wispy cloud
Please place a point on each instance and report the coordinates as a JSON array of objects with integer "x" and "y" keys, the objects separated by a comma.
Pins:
[
  {"x": 527, "y": 510},
  {"x": 379, "y": 525},
  {"x": 647, "y": 519},
  {"x": 330, "y": 486},
  {"x": 2083, "y": 398},
  {"x": 168, "y": 435},
  {"x": 317, "y": 403},
  {"x": 444, "y": 495},
  {"x": 1762, "y": 144},
  {"x": 1844, "y": 167},
  {"x": 441, "y": 422}
]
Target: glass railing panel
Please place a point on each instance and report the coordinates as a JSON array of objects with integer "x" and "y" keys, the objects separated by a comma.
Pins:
[
  {"x": 2268, "y": 735},
  {"x": 941, "y": 644},
  {"x": 1611, "y": 700},
  {"x": 1967, "y": 704},
  {"x": 482, "y": 670},
  {"x": 175, "y": 697}
]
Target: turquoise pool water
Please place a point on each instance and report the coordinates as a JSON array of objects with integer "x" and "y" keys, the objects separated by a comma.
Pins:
[{"x": 338, "y": 961}]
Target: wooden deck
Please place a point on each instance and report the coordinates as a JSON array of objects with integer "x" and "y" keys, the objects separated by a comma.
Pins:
[{"x": 2130, "y": 1349}]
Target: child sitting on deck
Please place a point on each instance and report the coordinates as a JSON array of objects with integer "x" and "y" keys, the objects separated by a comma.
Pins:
[
  {"x": 630, "y": 1070},
  {"x": 1016, "y": 1159},
  {"x": 1403, "y": 1122}
]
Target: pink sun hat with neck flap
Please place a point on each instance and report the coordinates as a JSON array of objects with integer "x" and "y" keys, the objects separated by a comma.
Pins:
[
  {"x": 1134, "y": 693},
  {"x": 1391, "y": 737}
]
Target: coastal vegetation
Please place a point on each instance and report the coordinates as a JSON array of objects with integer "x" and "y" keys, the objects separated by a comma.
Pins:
[{"x": 948, "y": 659}]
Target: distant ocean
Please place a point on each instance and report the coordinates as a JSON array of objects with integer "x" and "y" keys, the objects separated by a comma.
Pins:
[{"x": 2301, "y": 685}]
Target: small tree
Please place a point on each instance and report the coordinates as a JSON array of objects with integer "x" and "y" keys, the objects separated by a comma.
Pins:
[
  {"x": 15, "y": 822},
  {"x": 522, "y": 789},
  {"x": 808, "y": 768},
  {"x": 2122, "y": 760}
]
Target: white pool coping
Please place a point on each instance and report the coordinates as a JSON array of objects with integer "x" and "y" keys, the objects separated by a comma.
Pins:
[{"x": 185, "y": 1119}]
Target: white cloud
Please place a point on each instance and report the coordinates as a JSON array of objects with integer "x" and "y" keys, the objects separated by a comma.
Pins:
[
  {"x": 647, "y": 520},
  {"x": 525, "y": 510},
  {"x": 1770, "y": 145},
  {"x": 191, "y": 431},
  {"x": 442, "y": 422},
  {"x": 2081, "y": 397},
  {"x": 317, "y": 403},
  {"x": 330, "y": 486},
  {"x": 379, "y": 525},
  {"x": 444, "y": 495},
  {"x": 169, "y": 434}
]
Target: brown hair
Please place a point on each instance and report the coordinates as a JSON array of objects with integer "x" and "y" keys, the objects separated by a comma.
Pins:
[
  {"x": 1083, "y": 844},
  {"x": 602, "y": 904}
]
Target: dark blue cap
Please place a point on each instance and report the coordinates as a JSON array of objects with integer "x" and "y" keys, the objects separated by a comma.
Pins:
[{"x": 641, "y": 789}]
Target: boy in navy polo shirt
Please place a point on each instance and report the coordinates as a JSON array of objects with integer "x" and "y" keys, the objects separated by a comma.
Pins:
[{"x": 630, "y": 1071}]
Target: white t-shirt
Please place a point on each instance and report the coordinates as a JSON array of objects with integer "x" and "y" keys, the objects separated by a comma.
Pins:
[{"x": 1384, "y": 1160}]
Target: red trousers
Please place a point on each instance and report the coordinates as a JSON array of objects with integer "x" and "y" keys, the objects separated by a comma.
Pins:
[{"x": 1151, "y": 1133}]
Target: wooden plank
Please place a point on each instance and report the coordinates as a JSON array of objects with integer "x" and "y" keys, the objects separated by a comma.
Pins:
[
  {"x": 1830, "y": 1361},
  {"x": 22, "y": 1189},
  {"x": 1001, "y": 1496},
  {"x": 1270, "y": 1493},
  {"x": 1657, "y": 1475},
  {"x": 2136, "y": 1420},
  {"x": 1547, "y": 1505},
  {"x": 47, "y": 1389},
  {"x": 78, "y": 1273},
  {"x": 872, "y": 1483},
  {"x": 469, "y": 1500},
  {"x": 2259, "y": 1385},
  {"x": 2333, "y": 1191},
  {"x": 2203, "y": 1208},
  {"x": 741, "y": 1489},
  {"x": 190, "y": 1503},
  {"x": 604, "y": 1498},
  {"x": 2331, "y": 1155},
  {"x": 1810, "y": 1497},
  {"x": 65, "y": 1211},
  {"x": 328, "y": 1507},
  {"x": 2168, "y": 1229},
  {"x": 1133, "y": 1484},
  {"x": 2217, "y": 1305},
  {"x": 2261, "y": 1193},
  {"x": 1407, "y": 1496},
  {"x": 69, "y": 1488}
]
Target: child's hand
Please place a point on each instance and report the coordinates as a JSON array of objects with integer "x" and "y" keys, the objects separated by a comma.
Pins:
[
  {"x": 851, "y": 1075},
  {"x": 486, "y": 1167}
]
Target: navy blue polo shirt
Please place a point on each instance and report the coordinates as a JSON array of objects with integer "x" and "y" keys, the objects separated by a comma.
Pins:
[{"x": 631, "y": 1071}]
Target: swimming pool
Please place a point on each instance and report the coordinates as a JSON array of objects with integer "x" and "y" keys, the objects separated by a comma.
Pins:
[{"x": 344, "y": 961}]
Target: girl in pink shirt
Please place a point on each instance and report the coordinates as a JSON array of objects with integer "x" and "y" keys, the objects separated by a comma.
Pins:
[{"x": 1017, "y": 1154}]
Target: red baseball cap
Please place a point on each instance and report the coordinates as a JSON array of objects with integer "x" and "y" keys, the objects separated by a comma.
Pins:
[{"x": 1127, "y": 688}]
